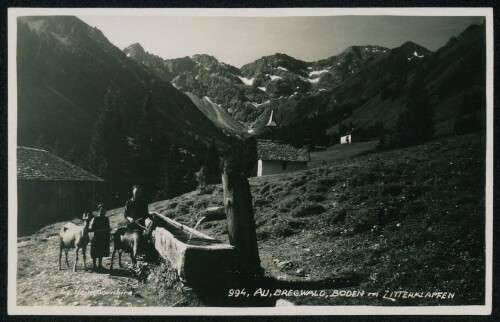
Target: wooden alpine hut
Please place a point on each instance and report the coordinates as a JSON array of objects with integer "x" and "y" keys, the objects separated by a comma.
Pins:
[{"x": 50, "y": 189}]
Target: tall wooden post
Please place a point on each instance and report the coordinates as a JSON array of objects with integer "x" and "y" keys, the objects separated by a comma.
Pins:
[{"x": 239, "y": 208}]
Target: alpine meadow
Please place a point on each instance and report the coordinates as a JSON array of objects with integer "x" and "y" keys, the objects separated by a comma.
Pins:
[{"x": 355, "y": 179}]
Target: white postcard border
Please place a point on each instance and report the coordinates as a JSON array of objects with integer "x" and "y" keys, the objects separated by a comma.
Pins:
[{"x": 14, "y": 309}]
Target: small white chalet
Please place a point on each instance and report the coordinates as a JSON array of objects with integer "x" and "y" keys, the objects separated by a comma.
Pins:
[{"x": 278, "y": 157}]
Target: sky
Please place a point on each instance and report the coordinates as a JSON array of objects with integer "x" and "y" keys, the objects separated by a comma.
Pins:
[{"x": 241, "y": 40}]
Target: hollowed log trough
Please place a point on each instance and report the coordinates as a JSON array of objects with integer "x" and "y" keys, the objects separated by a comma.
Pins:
[{"x": 200, "y": 260}]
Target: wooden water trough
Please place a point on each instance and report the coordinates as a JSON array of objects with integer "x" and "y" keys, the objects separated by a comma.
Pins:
[{"x": 198, "y": 258}]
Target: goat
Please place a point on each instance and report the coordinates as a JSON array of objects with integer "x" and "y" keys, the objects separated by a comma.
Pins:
[
  {"x": 130, "y": 241},
  {"x": 73, "y": 236}
]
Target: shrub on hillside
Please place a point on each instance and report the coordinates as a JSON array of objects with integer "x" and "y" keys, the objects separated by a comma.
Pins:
[
  {"x": 413, "y": 192},
  {"x": 172, "y": 205},
  {"x": 259, "y": 201},
  {"x": 266, "y": 188},
  {"x": 281, "y": 228},
  {"x": 172, "y": 213},
  {"x": 298, "y": 182},
  {"x": 338, "y": 216},
  {"x": 172, "y": 210},
  {"x": 393, "y": 189},
  {"x": 416, "y": 122},
  {"x": 415, "y": 208},
  {"x": 326, "y": 182},
  {"x": 315, "y": 197},
  {"x": 362, "y": 177},
  {"x": 308, "y": 209},
  {"x": 166, "y": 285},
  {"x": 315, "y": 188},
  {"x": 288, "y": 204},
  {"x": 200, "y": 203}
]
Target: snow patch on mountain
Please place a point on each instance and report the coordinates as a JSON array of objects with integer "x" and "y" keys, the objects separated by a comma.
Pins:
[
  {"x": 274, "y": 77},
  {"x": 282, "y": 68},
  {"x": 313, "y": 80},
  {"x": 210, "y": 101},
  {"x": 246, "y": 81},
  {"x": 318, "y": 72},
  {"x": 260, "y": 104},
  {"x": 416, "y": 54},
  {"x": 262, "y": 89}
]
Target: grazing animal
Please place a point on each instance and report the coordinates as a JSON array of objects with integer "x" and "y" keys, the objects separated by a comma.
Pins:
[
  {"x": 130, "y": 241},
  {"x": 73, "y": 236}
]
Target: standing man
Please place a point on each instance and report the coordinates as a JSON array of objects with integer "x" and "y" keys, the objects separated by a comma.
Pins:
[{"x": 136, "y": 209}]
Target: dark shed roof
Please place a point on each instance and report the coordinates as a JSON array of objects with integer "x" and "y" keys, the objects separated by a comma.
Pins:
[
  {"x": 279, "y": 151},
  {"x": 35, "y": 164}
]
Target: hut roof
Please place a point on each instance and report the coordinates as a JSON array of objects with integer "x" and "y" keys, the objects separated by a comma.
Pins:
[
  {"x": 36, "y": 164},
  {"x": 279, "y": 151}
]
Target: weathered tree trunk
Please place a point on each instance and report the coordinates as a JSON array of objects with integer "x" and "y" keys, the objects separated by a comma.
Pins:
[{"x": 239, "y": 209}]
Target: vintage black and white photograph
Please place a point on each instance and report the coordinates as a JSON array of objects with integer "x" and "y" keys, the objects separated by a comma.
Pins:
[{"x": 294, "y": 161}]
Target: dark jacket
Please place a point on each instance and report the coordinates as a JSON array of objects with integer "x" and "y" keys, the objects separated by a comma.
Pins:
[
  {"x": 100, "y": 242},
  {"x": 137, "y": 210}
]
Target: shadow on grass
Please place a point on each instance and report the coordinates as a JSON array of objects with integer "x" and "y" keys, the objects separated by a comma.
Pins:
[
  {"x": 118, "y": 272},
  {"x": 236, "y": 290}
]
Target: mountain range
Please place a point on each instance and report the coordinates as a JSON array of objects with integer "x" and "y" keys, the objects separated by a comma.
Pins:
[
  {"x": 71, "y": 79},
  {"x": 83, "y": 99},
  {"x": 363, "y": 86}
]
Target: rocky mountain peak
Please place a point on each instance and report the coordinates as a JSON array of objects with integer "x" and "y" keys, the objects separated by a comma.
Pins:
[
  {"x": 135, "y": 50},
  {"x": 269, "y": 64},
  {"x": 205, "y": 59},
  {"x": 410, "y": 47},
  {"x": 67, "y": 30}
]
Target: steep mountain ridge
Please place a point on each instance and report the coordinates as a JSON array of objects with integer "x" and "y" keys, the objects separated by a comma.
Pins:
[
  {"x": 67, "y": 51},
  {"x": 73, "y": 85},
  {"x": 155, "y": 63},
  {"x": 362, "y": 86},
  {"x": 243, "y": 92},
  {"x": 268, "y": 64},
  {"x": 83, "y": 99}
]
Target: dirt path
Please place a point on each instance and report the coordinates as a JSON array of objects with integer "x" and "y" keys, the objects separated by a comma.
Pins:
[{"x": 39, "y": 282}]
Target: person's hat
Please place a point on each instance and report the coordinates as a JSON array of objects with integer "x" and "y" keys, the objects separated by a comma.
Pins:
[{"x": 101, "y": 206}]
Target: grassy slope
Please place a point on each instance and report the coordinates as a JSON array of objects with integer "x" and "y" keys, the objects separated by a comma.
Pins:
[
  {"x": 409, "y": 219},
  {"x": 341, "y": 152}
]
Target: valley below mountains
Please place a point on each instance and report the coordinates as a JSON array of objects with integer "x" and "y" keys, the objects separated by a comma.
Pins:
[
  {"x": 400, "y": 209},
  {"x": 362, "y": 88},
  {"x": 124, "y": 114}
]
